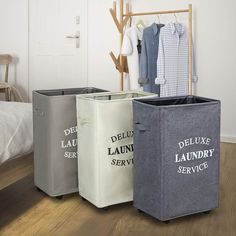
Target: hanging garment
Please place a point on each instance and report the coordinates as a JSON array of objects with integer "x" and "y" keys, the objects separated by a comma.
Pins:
[
  {"x": 148, "y": 59},
  {"x": 172, "y": 62},
  {"x": 130, "y": 49}
]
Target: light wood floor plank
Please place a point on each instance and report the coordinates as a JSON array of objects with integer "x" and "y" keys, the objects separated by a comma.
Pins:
[{"x": 25, "y": 211}]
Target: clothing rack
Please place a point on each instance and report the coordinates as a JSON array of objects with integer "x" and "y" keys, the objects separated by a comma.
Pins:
[{"x": 123, "y": 20}]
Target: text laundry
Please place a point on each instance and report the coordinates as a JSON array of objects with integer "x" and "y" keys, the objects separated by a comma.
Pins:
[
  {"x": 189, "y": 156},
  {"x": 69, "y": 143},
  {"x": 121, "y": 150}
]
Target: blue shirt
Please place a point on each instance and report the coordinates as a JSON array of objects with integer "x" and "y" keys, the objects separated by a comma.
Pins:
[{"x": 148, "y": 58}]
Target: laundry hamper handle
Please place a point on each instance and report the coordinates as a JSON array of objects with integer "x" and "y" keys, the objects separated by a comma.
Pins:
[
  {"x": 38, "y": 112},
  {"x": 142, "y": 127}
]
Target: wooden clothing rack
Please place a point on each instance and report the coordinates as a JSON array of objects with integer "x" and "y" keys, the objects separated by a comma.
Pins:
[{"x": 126, "y": 16}]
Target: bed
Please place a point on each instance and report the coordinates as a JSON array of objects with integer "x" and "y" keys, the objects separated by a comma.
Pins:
[{"x": 16, "y": 130}]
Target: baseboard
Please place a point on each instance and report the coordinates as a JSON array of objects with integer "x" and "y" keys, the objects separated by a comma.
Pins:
[{"x": 228, "y": 139}]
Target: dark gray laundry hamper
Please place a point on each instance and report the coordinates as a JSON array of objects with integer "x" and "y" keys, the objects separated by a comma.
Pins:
[
  {"x": 55, "y": 139},
  {"x": 176, "y": 155}
]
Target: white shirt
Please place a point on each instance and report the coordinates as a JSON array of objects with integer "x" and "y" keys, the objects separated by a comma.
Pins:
[
  {"x": 129, "y": 49},
  {"x": 172, "y": 62}
]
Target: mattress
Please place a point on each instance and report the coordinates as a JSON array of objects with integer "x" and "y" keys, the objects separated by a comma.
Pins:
[{"x": 16, "y": 130}]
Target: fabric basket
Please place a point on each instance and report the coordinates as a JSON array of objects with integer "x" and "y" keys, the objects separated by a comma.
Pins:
[
  {"x": 105, "y": 147},
  {"x": 176, "y": 155},
  {"x": 55, "y": 139}
]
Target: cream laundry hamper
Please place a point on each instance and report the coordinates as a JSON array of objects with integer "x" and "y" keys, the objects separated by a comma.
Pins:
[{"x": 105, "y": 146}]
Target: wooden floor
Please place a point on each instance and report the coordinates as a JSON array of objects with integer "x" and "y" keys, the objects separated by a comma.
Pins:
[{"x": 25, "y": 211}]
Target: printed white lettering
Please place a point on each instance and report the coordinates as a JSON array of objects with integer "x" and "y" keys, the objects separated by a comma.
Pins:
[
  {"x": 181, "y": 145},
  {"x": 176, "y": 158},
  {"x": 211, "y": 152},
  {"x": 193, "y": 141},
  {"x": 190, "y": 156},
  {"x": 71, "y": 154},
  {"x": 70, "y": 130},
  {"x": 179, "y": 170},
  {"x": 69, "y": 143},
  {"x": 194, "y": 169}
]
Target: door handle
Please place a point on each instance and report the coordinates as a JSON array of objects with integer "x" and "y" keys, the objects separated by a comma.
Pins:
[
  {"x": 76, "y": 36},
  {"x": 72, "y": 37}
]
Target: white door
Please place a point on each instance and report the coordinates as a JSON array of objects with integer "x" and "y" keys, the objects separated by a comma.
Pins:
[{"x": 57, "y": 44}]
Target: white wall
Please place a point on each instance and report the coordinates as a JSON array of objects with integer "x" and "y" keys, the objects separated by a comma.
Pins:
[
  {"x": 214, "y": 39},
  {"x": 103, "y": 37},
  {"x": 102, "y": 34},
  {"x": 215, "y": 49},
  {"x": 14, "y": 40}
]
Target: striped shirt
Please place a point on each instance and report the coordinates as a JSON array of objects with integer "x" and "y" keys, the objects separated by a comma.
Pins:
[{"x": 172, "y": 62}]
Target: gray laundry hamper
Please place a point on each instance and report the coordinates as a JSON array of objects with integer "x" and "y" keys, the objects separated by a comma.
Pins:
[
  {"x": 55, "y": 139},
  {"x": 105, "y": 147},
  {"x": 176, "y": 155}
]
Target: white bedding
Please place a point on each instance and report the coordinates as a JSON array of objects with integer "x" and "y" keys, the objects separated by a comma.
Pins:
[{"x": 16, "y": 129}]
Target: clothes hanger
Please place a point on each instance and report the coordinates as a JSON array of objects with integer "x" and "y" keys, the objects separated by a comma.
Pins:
[
  {"x": 176, "y": 20},
  {"x": 159, "y": 21},
  {"x": 140, "y": 24},
  {"x": 130, "y": 22}
]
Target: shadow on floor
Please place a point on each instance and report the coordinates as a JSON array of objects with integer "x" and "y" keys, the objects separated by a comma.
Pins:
[{"x": 15, "y": 199}]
